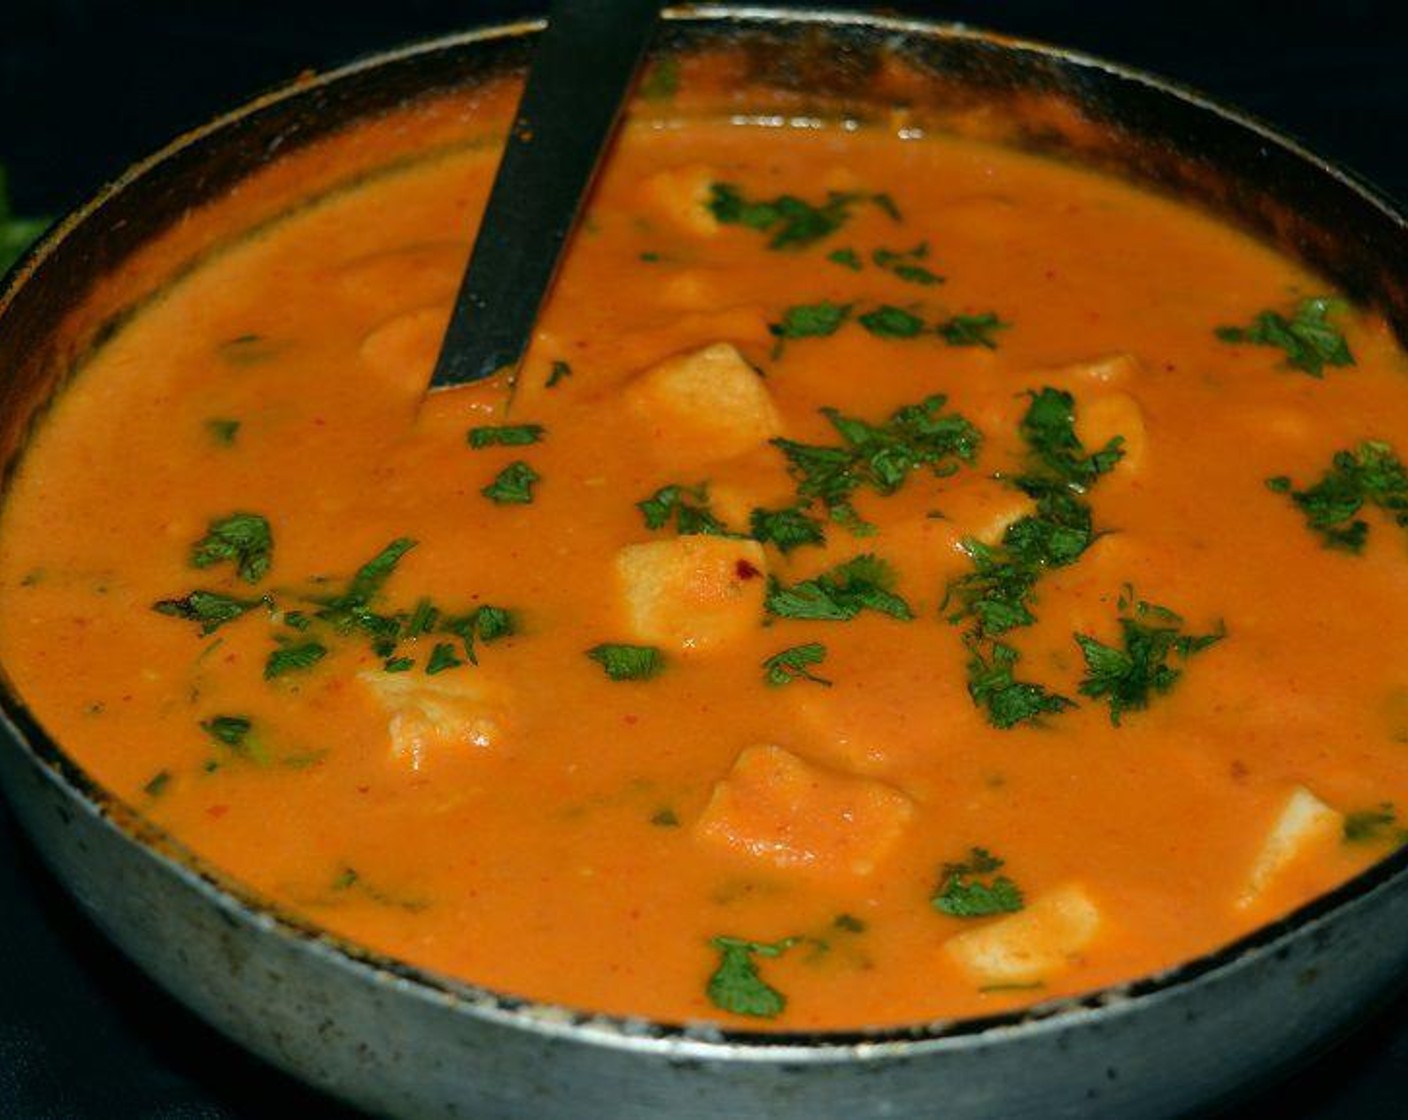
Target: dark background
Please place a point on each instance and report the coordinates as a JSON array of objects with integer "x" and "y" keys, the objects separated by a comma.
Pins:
[{"x": 88, "y": 86}]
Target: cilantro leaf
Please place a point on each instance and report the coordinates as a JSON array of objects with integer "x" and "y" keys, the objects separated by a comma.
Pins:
[
  {"x": 229, "y": 731},
  {"x": 736, "y": 986},
  {"x": 513, "y": 485},
  {"x": 505, "y": 435},
  {"x": 971, "y": 330},
  {"x": 791, "y": 664},
  {"x": 846, "y": 258},
  {"x": 485, "y": 624},
  {"x": 1366, "y": 826},
  {"x": 887, "y": 321},
  {"x": 1310, "y": 340},
  {"x": 1007, "y": 701},
  {"x": 793, "y": 222},
  {"x": 1371, "y": 475},
  {"x": 243, "y": 539},
  {"x": 442, "y": 657},
  {"x": 905, "y": 264},
  {"x": 211, "y": 609},
  {"x": 222, "y": 431},
  {"x": 1129, "y": 676},
  {"x": 962, "y": 894},
  {"x": 811, "y": 320},
  {"x": 626, "y": 662},
  {"x": 879, "y": 456},
  {"x": 786, "y": 528},
  {"x": 688, "y": 507},
  {"x": 839, "y": 594},
  {"x": 559, "y": 372},
  {"x": 662, "y": 80},
  {"x": 293, "y": 659},
  {"x": 1055, "y": 452}
]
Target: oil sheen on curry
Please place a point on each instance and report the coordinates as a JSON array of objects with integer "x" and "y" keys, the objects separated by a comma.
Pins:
[{"x": 911, "y": 578}]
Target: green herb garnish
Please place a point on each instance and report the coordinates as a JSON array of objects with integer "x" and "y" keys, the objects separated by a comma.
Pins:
[
  {"x": 971, "y": 330},
  {"x": 887, "y": 321},
  {"x": 442, "y": 657},
  {"x": 793, "y": 222},
  {"x": 513, "y": 485},
  {"x": 905, "y": 264},
  {"x": 811, "y": 320},
  {"x": 627, "y": 662},
  {"x": 1310, "y": 340},
  {"x": 559, "y": 371},
  {"x": 687, "y": 506},
  {"x": 736, "y": 986},
  {"x": 841, "y": 593},
  {"x": 786, "y": 528},
  {"x": 211, "y": 609},
  {"x": 792, "y": 664},
  {"x": 505, "y": 435},
  {"x": 222, "y": 431},
  {"x": 293, "y": 658},
  {"x": 243, "y": 539},
  {"x": 846, "y": 258},
  {"x": 1371, "y": 475},
  {"x": 1130, "y": 676},
  {"x": 963, "y": 894},
  {"x": 994, "y": 688}
]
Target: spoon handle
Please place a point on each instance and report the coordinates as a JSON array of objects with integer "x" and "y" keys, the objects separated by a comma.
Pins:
[{"x": 583, "y": 67}]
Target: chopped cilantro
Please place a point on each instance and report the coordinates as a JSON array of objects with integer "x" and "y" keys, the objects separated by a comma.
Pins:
[
  {"x": 879, "y": 456},
  {"x": 793, "y": 222},
  {"x": 513, "y": 485},
  {"x": 627, "y": 662},
  {"x": 1370, "y": 475},
  {"x": 157, "y": 783},
  {"x": 962, "y": 894},
  {"x": 887, "y": 321},
  {"x": 687, "y": 506},
  {"x": 442, "y": 657},
  {"x": 211, "y": 609},
  {"x": 736, "y": 986},
  {"x": 786, "y": 528},
  {"x": 971, "y": 330},
  {"x": 905, "y": 264},
  {"x": 229, "y": 731},
  {"x": 1310, "y": 340},
  {"x": 811, "y": 320},
  {"x": 791, "y": 664},
  {"x": 841, "y": 593},
  {"x": 398, "y": 664},
  {"x": 243, "y": 539},
  {"x": 504, "y": 435},
  {"x": 665, "y": 818},
  {"x": 848, "y": 923},
  {"x": 846, "y": 258},
  {"x": 559, "y": 372},
  {"x": 1367, "y": 826},
  {"x": 1055, "y": 452},
  {"x": 222, "y": 431},
  {"x": 293, "y": 658},
  {"x": 1128, "y": 677},
  {"x": 485, "y": 624},
  {"x": 1005, "y": 700}
]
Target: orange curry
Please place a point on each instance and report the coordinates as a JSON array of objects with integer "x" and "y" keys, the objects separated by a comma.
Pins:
[{"x": 911, "y": 578}]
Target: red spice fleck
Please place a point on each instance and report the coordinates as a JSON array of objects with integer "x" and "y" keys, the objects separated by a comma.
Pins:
[
  {"x": 632, "y": 719},
  {"x": 746, "y": 570},
  {"x": 217, "y": 811}
]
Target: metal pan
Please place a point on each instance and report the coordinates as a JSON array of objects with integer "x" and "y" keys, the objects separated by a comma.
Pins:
[{"x": 395, "y": 1039}]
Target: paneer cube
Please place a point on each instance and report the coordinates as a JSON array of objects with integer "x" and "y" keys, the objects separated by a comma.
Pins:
[
  {"x": 1109, "y": 369},
  {"x": 1304, "y": 826},
  {"x": 692, "y": 593},
  {"x": 1031, "y": 945},
  {"x": 401, "y": 351},
  {"x": 776, "y": 809},
  {"x": 428, "y": 716},
  {"x": 680, "y": 195},
  {"x": 704, "y": 405}
]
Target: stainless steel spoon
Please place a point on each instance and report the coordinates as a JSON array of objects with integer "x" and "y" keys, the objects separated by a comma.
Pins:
[{"x": 583, "y": 68}]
